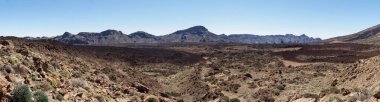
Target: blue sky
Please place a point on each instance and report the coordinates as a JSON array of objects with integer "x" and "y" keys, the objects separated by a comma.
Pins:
[{"x": 316, "y": 18}]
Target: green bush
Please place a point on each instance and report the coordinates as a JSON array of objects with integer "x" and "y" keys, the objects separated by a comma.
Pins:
[
  {"x": 234, "y": 100},
  {"x": 309, "y": 95},
  {"x": 40, "y": 97},
  {"x": 12, "y": 59},
  {"x": 59, "y": 97},
  {"x": 22, "y": 94},
  {"x": 235, "y": 87},
  {"x": 33, "y": 76},
  {"x": 66, "y": 73}
]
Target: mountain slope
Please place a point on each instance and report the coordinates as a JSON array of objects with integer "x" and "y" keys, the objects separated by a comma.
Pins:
[
  {"x": 193, "y": 34},
  {"x": 143, "y": 37},
  {"x": 108, "y": 36},
  {"x": 368, "y": 36}
]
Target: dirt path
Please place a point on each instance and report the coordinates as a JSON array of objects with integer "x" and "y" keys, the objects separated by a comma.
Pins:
[{"x": 295, "y": 64}]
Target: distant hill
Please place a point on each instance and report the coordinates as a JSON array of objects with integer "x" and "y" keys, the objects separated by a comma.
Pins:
[
  {"x": 368, "y": 36},
  {"x": 196, "y": 34},
  {"x": 107, "y": 37},
  {"x": 288, "y": 38}
]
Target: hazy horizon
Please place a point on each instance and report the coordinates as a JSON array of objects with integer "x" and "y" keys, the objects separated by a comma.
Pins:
[{"x": 322, "y": 18}]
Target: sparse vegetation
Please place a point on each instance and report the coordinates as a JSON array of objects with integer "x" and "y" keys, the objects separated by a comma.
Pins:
[
  {"x": 235, "y": 87},
  {"x": 40, "y": 97},
  {"x": 12, "y": 59},
  {"x": 234, "y": 100},
  {"x": 173, "y": 94},
  {"x": 66, "y": 73},
  {"x": 75, "y": 82},
  {"x": 53, "y": 82},
  {"x": 22, "y": 94},
  {"x": 27, "y": 63},
  {"x": 309, "y": 95},
  {"x": 33, "y": 76},
  {"x": 59, "y": 97},
  {"x": 44, "y": 86}
]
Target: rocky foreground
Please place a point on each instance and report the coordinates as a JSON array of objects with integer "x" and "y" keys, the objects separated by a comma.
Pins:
[
  {"x": 206, "y": 73},
  {"x": 65, "y": 73}
]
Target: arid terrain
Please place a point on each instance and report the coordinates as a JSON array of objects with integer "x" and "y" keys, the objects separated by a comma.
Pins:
[
  {"x": 189, "y": 51},
  {"x": 229, "y": 72}
]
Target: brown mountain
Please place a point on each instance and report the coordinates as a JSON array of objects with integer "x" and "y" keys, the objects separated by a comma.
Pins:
[
  {"x": 194, "y": 34},
  {"x": 368, "y": 36}
]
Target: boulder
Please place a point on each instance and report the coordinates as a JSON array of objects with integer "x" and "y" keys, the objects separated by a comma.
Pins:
[
  {"x": 7, "y": 69},
  {"x": 11, "y": 78},
  {"x": 46, "y": 67},
  {"x": 377, "y": 95},
  {"x": 8, "y": 44},
  {"x": 141, "y": 88},
  {"x": 21, "y": 69},
  {"x": 62, "y": 91},
  {"x": 3, "y": 81}
]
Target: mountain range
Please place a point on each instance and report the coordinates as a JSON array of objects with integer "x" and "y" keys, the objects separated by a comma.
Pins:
[{"x": 196, "y": 34}]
